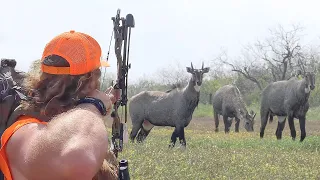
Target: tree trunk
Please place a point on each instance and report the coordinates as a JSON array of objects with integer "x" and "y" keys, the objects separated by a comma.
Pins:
[
  {"x": 285, "y": 66},
  {"x": 258, "y": 84}
]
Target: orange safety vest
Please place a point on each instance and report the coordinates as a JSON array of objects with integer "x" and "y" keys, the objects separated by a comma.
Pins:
[{"x": 4, "y": 163}]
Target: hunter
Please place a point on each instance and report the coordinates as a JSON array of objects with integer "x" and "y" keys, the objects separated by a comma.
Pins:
[{"x": 68, "y": 139}]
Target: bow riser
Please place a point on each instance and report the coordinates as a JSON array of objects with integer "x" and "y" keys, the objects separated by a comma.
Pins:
[{"x": 121, "y": 38}]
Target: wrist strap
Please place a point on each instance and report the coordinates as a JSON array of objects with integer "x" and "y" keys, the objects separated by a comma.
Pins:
[{"x": 96, "y": 102}]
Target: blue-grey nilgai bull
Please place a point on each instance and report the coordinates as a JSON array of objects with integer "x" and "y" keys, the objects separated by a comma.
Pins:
[
  {"x": 171, "y": 108},
  {"x": 228, "y": 102},
  {"x": 288, "y": 98}
]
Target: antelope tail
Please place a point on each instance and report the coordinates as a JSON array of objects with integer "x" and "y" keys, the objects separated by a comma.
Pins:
[{"x": 270, "y": 118}]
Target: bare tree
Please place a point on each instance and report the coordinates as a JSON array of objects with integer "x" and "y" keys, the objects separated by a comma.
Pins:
[
  {"x": 173, "y": 74},
  {"x": 35, "y": 68},
  {"x": 244, "y": 65},
  {"x": 145, "y": 83},
  {"x": 309, "y": 59},
  {"x": 276, "y": 58},
  {"x": 107, "y": 79},
  {"x": 282, "y": 52}
]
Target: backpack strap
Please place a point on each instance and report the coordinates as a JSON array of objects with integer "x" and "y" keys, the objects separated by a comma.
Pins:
[
  {"x": 9, "y": 105},
  {"x": 6, "y": 107},
  {"x": 19, "y": 111}
]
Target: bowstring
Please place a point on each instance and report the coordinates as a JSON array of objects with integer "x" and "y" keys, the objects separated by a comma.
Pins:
[{"x": 105, "y": 68}]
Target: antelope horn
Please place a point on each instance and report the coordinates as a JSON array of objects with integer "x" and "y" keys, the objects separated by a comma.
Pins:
[
  {"x": 202, "y": 65},
  {"x": 191, "y": 66}
]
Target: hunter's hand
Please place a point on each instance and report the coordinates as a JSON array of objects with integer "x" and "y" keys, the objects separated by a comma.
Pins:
[{"x": 112, "y": 94}]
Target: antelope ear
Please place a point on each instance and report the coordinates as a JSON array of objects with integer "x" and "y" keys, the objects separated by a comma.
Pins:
[
  {"x": 251, "y": 112},
  {"x": 189, "y": 70},
  {"x": 254, "y": 116},
  {"x": 206, "y": 70}
]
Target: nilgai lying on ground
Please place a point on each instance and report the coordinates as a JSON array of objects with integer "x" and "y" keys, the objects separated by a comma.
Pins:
[
  {"x": 287, "y": 98},
  {"x": 228, "y": 102},
  {"x": 172, "y": 108}
]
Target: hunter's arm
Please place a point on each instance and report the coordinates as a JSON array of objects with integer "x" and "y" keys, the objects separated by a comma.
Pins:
[{"x": 71, "y": 146}]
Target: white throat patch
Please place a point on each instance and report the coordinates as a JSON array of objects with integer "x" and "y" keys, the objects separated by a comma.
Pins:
[
  {"x": 307, "y": 90},
  {"x": 197, "y": 88}
]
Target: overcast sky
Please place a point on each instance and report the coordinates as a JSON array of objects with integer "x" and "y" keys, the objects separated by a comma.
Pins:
[{"x": 166, "y": 30}]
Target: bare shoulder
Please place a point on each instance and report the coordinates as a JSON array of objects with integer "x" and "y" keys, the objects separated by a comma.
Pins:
[
  {"x": 22, "y": 137},
  {"x": 18, "y": 145},
  {"x": 74, "y": 143}
]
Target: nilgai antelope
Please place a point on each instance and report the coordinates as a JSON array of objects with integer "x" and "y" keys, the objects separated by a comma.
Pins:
[
  {"x": 228, "y": 102},
  {"x": 287, "y": 98},
  {"x": 171, "y": 108}
]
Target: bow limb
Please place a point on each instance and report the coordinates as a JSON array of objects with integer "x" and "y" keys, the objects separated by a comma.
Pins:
[{"x": 116, "y": 119}]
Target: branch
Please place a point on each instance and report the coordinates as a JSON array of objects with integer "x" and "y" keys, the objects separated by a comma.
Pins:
[{"x": 244, "y": 71}]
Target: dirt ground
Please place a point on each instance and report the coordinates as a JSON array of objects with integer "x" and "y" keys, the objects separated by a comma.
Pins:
[{"x": 207, "y": 124}]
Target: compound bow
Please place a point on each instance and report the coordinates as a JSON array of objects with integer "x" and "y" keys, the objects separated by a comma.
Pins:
[{"x": 122, "y": 33}]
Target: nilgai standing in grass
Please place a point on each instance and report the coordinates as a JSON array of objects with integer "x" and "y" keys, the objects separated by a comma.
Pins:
[
  {"x": 228, "y": 102},
  {"x": 288, "y": 98},
  {"x": 171, "y": 108}
]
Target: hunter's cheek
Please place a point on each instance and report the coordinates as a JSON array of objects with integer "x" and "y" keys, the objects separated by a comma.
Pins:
[
  {"x": 98, "y": 85},
  {"x": 95, "y": 84}
]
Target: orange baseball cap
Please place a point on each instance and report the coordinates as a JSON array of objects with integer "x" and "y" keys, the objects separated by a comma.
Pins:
[{"x": 82, "y": 52}]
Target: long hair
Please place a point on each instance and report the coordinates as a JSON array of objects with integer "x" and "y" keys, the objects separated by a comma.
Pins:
[
  {"x": 51, "y": 94},
  {"x": 54, "y": 94}
]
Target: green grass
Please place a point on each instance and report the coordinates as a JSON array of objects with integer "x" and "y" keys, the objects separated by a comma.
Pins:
[
  {"x": 212, "y": 155},
  {"x": 313, "y": 113},
  {"x": 203, "y": 110}
]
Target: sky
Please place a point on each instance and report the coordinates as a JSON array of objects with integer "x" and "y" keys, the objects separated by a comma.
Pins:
[{"x": 166, "y": 31}]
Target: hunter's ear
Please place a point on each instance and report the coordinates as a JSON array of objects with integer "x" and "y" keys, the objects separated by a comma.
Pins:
[
  {"x": 206, "y": 70},
  {"x": 189, "y": 70}
]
